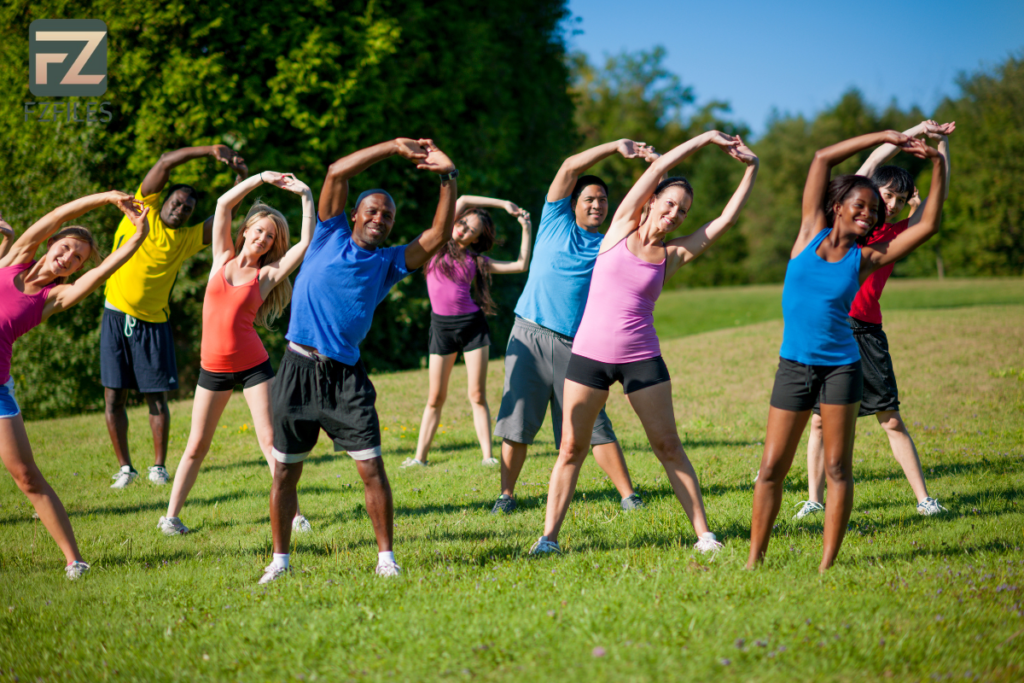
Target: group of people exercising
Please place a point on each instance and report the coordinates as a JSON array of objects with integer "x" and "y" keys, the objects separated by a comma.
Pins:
[{"x": 584, "y": 322}]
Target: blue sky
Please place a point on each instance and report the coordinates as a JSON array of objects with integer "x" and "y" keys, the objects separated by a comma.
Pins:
[{"x": 799, "y": 57}]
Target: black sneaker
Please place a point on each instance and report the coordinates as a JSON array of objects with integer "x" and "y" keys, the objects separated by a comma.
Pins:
[
  {"x": 505, "y": 503},
  {"x": 633, "y": 502}
]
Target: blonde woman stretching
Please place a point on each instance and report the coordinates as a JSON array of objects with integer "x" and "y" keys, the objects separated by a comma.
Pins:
[{"x": 248, "y": 286}]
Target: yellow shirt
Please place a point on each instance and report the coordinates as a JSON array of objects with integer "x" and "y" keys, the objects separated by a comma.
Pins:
[{"x": 142, "y": 287}]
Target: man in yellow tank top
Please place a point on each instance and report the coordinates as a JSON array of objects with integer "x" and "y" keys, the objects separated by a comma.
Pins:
[{"x": 136, "y": 346}]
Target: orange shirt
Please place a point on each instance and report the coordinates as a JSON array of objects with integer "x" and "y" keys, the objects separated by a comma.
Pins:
[{"x": 230, "y": 342}]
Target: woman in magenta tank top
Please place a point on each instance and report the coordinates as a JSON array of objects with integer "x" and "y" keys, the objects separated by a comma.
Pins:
[
  {"x": 616, "y": 341},
  {"x": 819, "y": 360},
  {"x": 458, "y": 281},
  {"x": 248, "y": 286},
  {"x": 30, "y": 292}
]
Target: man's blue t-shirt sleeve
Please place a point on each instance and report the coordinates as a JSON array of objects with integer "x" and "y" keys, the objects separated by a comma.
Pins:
[
  {"x": 326, "y": 229},
  {"x": 557, "y": 218}
]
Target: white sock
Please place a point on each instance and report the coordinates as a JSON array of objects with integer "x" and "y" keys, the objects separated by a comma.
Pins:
[
  {"x": 281, "y": 560},
  {"x": 386, "y": 558}
]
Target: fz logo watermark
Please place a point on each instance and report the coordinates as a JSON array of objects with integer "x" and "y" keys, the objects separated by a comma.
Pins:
[{"x": 68, "y": 57}]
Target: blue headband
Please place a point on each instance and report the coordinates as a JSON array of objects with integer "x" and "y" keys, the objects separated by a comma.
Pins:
[{"x": 364, "y": 195}]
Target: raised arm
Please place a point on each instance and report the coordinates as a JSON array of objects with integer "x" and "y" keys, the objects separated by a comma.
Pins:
[
  {"x": 24, "y": 249},
  {"x": 8, "y": 237},
  {"x": 273, "y": 274},
  {"x": 335, "y": 190},
  {"x": 684, "y": 249},
  {"x": 63, "y": 297},
  {"x": 573, "y": 167},
  {"x": 887, "y": 151},
  {"x": 917, "y": 212},
  {"x": 812, "y": 219},
  {"x": 880, "y": 254},
  {"x": 431, "y": 240},
  {"x": 469, "y": 201},
  {"x": 161, "y": 171},
  {"x": 522, "y": 264}
]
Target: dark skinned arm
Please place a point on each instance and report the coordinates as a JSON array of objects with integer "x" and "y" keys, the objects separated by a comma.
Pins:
[{"x": 334, "y": 193}]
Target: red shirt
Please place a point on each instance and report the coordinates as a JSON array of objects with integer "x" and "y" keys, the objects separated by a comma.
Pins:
[
  {"x": 865, "y": 305},
  {"x": 230, "y": 342}
]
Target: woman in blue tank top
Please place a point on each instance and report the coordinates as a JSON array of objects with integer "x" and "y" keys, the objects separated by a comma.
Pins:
[{"x": 819, "y": 358}]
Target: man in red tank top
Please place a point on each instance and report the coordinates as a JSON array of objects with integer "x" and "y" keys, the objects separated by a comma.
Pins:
[{"x": 881, "y": 396}]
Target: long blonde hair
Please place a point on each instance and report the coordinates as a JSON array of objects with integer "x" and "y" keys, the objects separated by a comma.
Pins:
[
  {"x": 280, "y": 296},
  {"x": 81, "y": 234}
]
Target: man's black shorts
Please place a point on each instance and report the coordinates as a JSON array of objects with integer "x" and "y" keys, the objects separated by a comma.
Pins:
[
  {"x": 454, "y": 333},
  {"x": 135, "y": 354},
  {"x": 798, "y": 387},
  {"x": 312, "y": 394},
  {"x": 880, "y": 391},
  {"x": 634, "y": 376},
  {"x": 227, "y": 381}
]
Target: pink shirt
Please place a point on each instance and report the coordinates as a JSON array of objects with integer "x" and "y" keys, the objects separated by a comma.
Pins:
[
  {"x": 453, "y": 297},
  {"x": 618, "y": 322},
  {"x": 865, "y": 305},
  {"x": 19, "y": 313}
]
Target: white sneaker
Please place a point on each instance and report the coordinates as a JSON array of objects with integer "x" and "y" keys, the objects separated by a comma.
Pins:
[
  {"x": 301, "y": 525},
  {"x": 272, "y": 573},
  {"x": 172, "y": 526},
  {"x": 809, "y": 508},
  {"x": 75, "y": 570},
  {"x": 543, "y": 547},
  {"x": 124, "y": 476},
  {"x": 158, "y": 475},
  {"x": 490, "y": 462},
  {"x": 707, "y": 543},
  {"x": 388, "y": 569},
  {"x": 930, "y": 506},
  {"x": 413, "y": 462}
]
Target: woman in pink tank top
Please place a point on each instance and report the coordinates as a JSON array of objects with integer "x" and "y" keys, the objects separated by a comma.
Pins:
[
  {"x": 248, "y": 286},
  {"x": 30, "y": 292},
  {"x": 616, "y": 341},
  {"x": 458, "y": 281}
]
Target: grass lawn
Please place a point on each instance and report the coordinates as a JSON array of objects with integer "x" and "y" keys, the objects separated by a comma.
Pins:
[{"x": 911, "y": 598}]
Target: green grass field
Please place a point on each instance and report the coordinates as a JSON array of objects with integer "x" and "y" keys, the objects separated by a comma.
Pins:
[{"x": 910, "y": 598}]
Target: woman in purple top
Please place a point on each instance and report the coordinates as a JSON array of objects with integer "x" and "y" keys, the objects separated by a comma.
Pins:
[
  {"x": 617, "y": 341},
  {"x": 30, "y": 292},
  {"x": 458, "y": 282}
]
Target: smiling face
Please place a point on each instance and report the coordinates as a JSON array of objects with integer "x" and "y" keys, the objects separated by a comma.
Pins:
[
  {"x": 467, "y": 230},
  {"x": 178, "y": 208},
  {"x": 260, "y": 236},
  {"x": 858, "y": 212},
  {"x": 669, "y": 209},
  {"x": 591, "y": 207},
  {"x": 894, "y": 201},
  {"x": 372, "y": 221},
  {"x": 67, "y": 255}
]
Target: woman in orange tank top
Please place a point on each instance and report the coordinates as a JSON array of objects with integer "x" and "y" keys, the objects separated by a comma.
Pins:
[{"x": 248, "y": 286}]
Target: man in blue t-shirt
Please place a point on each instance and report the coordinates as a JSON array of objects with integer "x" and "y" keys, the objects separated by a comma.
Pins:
[
  {"x": 547, "y": 316},
  {"x": 322, "y": 383}
]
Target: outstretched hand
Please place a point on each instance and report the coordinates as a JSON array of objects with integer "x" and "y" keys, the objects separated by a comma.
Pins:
[
  {"x": 630, "y": 149},
  {"x": 276, "y": 179},
  {"x": 741, "y": 152},
  {"x": 938, "y": 130},
  {"x": 512, "y": 208},
  {"x": 136, "y": 212},
  {"x": 413, "y": 150},
  {"x": 436, "y": 160},
  {"x": 524, "y": 219},
  {"x": 122, "y": 200},
  {"x": 226, "y": 155},
  {"x": 894, "y": 137},
  {"x": 647, "y": 153},
  {"x": 918, "y": 148}
]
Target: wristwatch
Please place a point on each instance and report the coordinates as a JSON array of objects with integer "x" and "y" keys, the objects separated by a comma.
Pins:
[{"x": 449, "y": 176}]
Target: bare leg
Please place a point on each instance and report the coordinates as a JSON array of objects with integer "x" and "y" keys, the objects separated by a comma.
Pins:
[
  {"x": 513, "y": 456},
  {"x": 903, "y": 450},
  {"x": 117, "y": 423},
  {"x": 839, "y": 424},
  {"x": 476, "y": 372},
  {"x": 258, "y": 398},
  {"x": 815, "y": 462},
  {"x": 207, "y": 408},
  {"x": 440, "y": 372},
  {"x": 784, "y": 430},
  {"x": 610, "y": 458},
  {"x": 581, "y": 407},
  {"x": 159, "y": 424},
  {"x": 284, "y": 501},
  {"x": 16, "y": 453},
  {"x": 379, "y": 503},
  {"x": 653, "y": 406}
]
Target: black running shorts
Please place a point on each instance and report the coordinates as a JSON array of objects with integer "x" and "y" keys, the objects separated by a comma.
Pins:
[
  {"x": 634, "y": 376},
  {"x": 798, "y": 387}
]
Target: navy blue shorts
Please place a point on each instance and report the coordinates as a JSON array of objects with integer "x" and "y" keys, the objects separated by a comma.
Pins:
[{"x": 136, "y": 355}]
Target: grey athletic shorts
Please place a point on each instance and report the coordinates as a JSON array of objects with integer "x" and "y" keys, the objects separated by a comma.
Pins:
[{"x": 535, "y": 364}]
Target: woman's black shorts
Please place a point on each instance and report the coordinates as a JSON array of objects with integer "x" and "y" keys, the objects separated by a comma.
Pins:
[
  {"x": 798, "y": 387},
  {"x": 227, "y": 381},
  {"x": 634, "y": 376},
  {"x": 454, "y": 333},
  {"x": 880, "y": 390}
]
